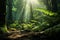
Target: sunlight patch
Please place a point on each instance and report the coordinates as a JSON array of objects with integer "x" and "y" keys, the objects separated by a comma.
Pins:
[{"x": 32, "y": 1}]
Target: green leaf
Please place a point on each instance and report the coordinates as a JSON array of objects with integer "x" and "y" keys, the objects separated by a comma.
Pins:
[
  {"x": 14, "y": 9},
  {"x": 4, "y": 29},
  {"x": 47, "y": 12}
]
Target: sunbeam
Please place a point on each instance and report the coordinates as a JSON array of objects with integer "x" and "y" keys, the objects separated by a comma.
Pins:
[
  {"x": 30, "y": 4},
  {"x": 33, "y": 1}
]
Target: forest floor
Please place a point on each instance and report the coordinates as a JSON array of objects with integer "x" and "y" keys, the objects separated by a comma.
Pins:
[{"x": 17, "y": 35}]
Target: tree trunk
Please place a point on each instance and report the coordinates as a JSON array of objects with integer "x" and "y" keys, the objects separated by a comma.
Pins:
[
  {"x": 54, "y": 5},
  {"x": 2, "y": 12},
  {"x": 9, "y": 20}
]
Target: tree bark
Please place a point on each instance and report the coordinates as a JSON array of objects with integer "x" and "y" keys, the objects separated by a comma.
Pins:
[
  {"x": 2, "y": 12},
  {"x": 54, "y": 5},
  {"x": 9, "y": 20}
]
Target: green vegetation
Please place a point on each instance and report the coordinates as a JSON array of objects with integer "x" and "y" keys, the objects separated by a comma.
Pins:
[
  {"x": 4, "y": 29},
  {"x": 32, "y": 15},
  {"x": 30, "y": 20}
]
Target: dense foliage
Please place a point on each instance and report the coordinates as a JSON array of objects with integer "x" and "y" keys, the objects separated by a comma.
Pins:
[{"x": 33, "y": 17}]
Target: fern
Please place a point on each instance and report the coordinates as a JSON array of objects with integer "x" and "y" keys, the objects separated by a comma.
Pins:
[
  {"x": 47, "y": 12},
  {"x": 4, "y": 29}
]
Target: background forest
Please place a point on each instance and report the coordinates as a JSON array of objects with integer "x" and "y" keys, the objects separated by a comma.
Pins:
[
  {"x": 36, "y": 15},
  {"x": 32, "y": 16}
]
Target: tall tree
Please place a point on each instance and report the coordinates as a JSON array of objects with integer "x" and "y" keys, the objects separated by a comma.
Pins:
[
  {"x": 54, "y": 5},
  {"x": 9, "y": 19},
  {"x": 2, "y": 12},
  {"x": 51, "y": 5}
]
